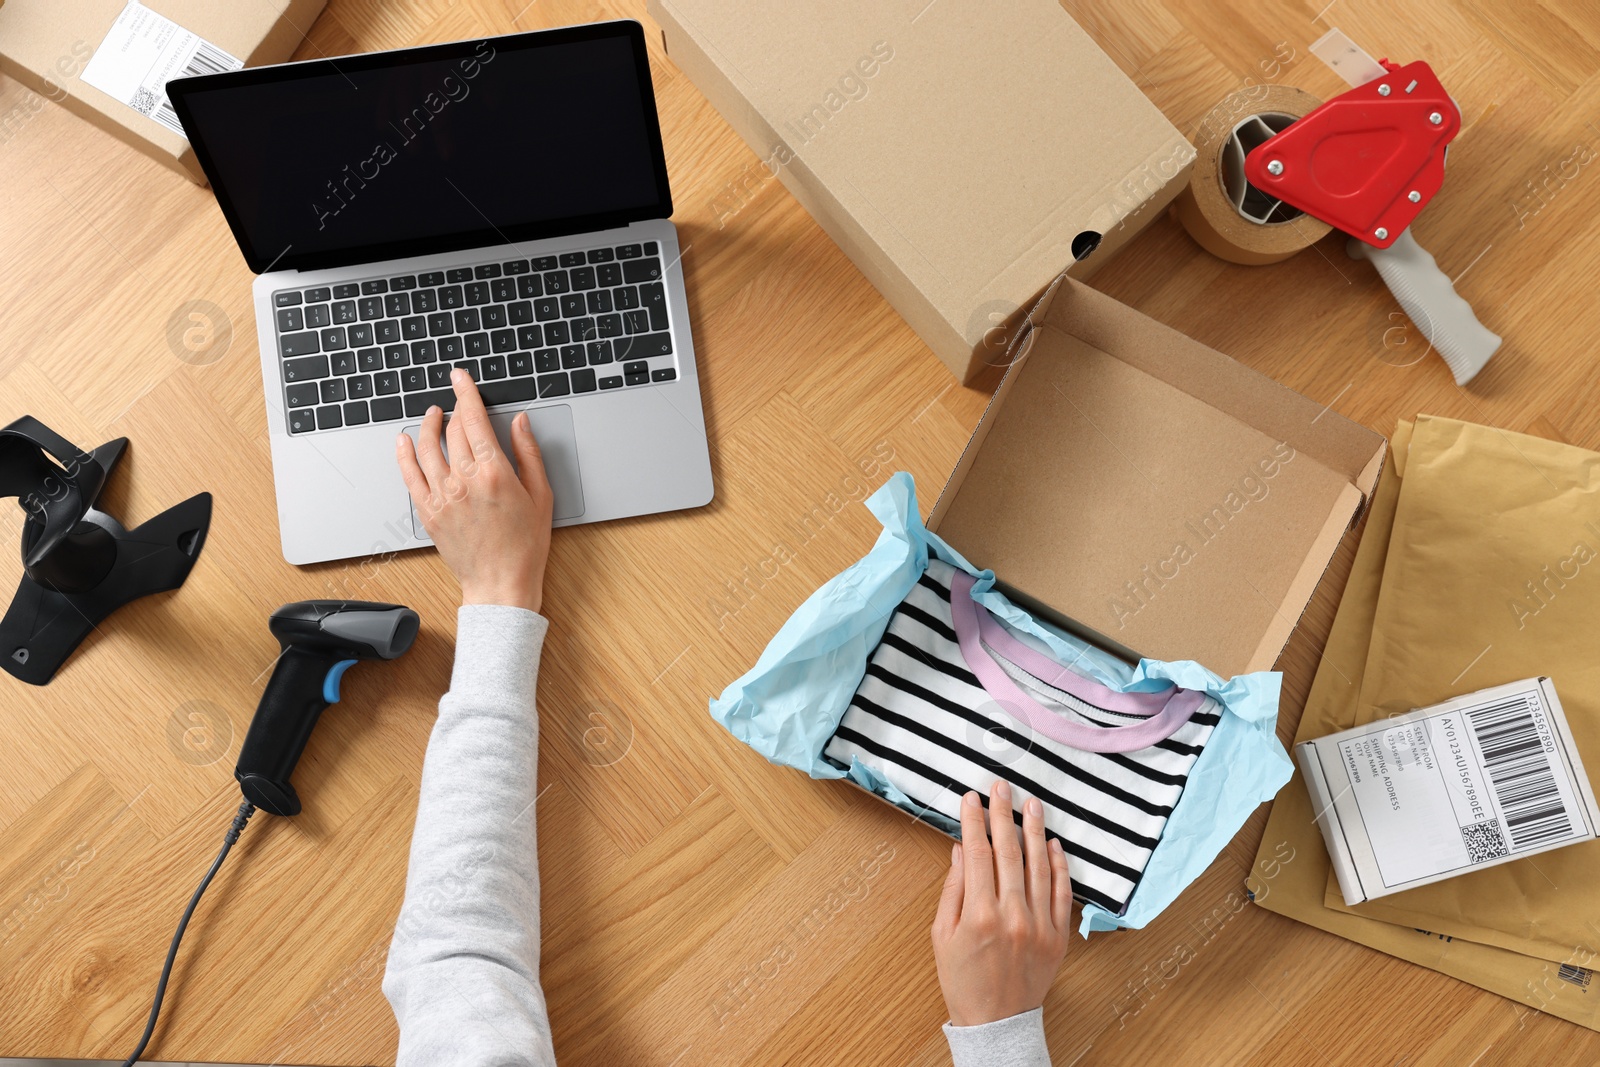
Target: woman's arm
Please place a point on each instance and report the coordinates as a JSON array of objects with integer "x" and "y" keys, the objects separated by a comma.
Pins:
[
  {"x": 463, "y": 974},
  {"x": 1001, "y": 933}
]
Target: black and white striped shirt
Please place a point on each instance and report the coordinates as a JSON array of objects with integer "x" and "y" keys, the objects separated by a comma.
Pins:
[{"x": 922, "y": 719}]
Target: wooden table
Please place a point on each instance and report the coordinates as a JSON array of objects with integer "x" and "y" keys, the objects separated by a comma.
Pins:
[{"x": 691, "y": 913}]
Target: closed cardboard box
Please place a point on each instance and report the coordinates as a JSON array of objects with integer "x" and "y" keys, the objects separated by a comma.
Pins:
[
  {"x": 47, "y": 45},
  {"x": 962, "y": 153}
]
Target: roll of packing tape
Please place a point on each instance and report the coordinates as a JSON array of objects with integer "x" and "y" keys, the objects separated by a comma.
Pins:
[{"x": 1229, "y": 218}]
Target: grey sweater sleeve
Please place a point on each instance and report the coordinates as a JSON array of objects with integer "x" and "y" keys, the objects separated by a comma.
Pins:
[
  {"x": 1014, "y": 1042},
  {"x": 463, "y": 973}
]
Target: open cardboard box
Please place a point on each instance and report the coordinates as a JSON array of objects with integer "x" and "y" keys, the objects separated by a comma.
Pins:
[
  {"x": 45, "y": 45},
  {"x": 961, "y": 153},
  {"x": 1151, "y": 494}
]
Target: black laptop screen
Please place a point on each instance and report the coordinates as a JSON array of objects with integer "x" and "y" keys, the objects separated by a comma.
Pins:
[{"x": 463, "y": 145}]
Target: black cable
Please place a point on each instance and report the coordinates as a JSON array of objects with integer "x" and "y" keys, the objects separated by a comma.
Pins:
[{"x": 246, "y": 810}]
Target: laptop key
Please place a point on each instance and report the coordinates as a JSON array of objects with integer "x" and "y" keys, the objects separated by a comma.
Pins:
[
  {"x": 302, "y": 395},
  {"x": 405, "y": 281},
  {"x": 609, "y": 274},
  {"x": 504, "y": 289},
  {"x": 329, "y": 418},
  {"x": 625, "y": 297},
  {"x": 493, "y": 367},
  {"x": 546, "y": 308},
  {"x": 553, "y": 385},
  {"x": 387, "y": 330},
  {"x": 298, "y": 344},
  {"x": 598, "y": 301},
  {"x": 493, "y": 316},
  {"x": 515, "y": 266},
  {"x": 344, "y": 362},
  {"x": 345, "y": 292},
  {"x": 396, "y": 356},
  {"x": 544, "y": 263},
  {"x": 650, "y": 248},
  {"x": 601, "y": 255},
  {"x": 360, "y": 334},
  {"x": 571, "y": 259},
  {"x": 414, "y": 327},
  {"x": 582, "y": 278},
  {"x": 344, "y": 312},
  {"x": 663, "y": 374},
  {"x": 431, "y": 279},
  {"x": 508, "y": 392},
  {"x": 305, "y": 369},
  {"x": 290, "y": 319},
  {"x": 369, "y": 359},
  {"x": 629, "y": 251},
  {"x": 600, "y": 352},
  {"x": 466, "y": 320},
  {"x": 413, "y": 379},
  {"x": 583, "y": 329},
  {"x": 636, "y": 367},
  {"x": 284, "y": 300},
  {"x": 546, "y": 359},
  {"x": 641, "y": 270},
  {"x": 653, "y": 295},
  {"x": 530, "y": 286},
  {"x": 556, "y": 333},
  {"x": 612, "y": 382},
  {"x": 417, "y": 404},
  {"x": 471, "y": 367},
  {"x": 583, "y": 381},
  {"x": 317, "y": 316},
  {"x": 572, "y": 305},
  {"x": 386, "y": 409},
  {"x": 458, "y": 274},
  {"x": 332, "y": 390},
  {"x": 371, "y": 308},
  {"x": 608, "y": 326},
  {"x": 441, "y": 323},
  {"x": 424, "y": 351},
  {"x": 450, "y": 348},
  {"x": 397, "y": 305},
  {"x": 529, "y": 337},
  {"x": 556, "y": 282},
  {"x": 520, "y": 312},
  {"x": 450, "y": 297},
  {"x": 636, "y": 321},
  {"x": 477, "y": 344},
  {"x": 502, "y": 341},
  {"x": 359, "y": 387},
  {"x": 640, "y": 378},
  {"x": 521, "y": 363},
  {"x": 572, "y": 357},
  {"x": 355, "y": 413},
  {"x": 303, "y": 420},
  {"x": 377, "y": 285},
  {"x": 386, "y": 383},
  {"x": 439, "y": 376},
  {"x": 487, "y": 270},
  {"x": 424, "y": 301},
  {"x": 477, "y": 293},
  {"x": 642, "y": 346}
]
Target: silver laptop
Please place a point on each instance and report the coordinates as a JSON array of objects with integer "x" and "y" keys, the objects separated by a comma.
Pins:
[{"x": 500, "y": 205}]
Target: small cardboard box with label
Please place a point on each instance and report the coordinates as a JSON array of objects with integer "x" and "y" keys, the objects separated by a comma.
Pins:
[
  {"x": 1477, "y": 781},
  {"x": 961, "y": 153},
  {"x": 109, "y": 60}
]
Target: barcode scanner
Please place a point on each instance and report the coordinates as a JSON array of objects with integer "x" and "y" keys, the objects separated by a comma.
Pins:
[{"x": 321, "y": 639}]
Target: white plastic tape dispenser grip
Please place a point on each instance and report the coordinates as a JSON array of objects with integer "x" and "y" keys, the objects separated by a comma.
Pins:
[
  {"x": 1428, "y": 298},
  {"x": 1423, "y": 290}
]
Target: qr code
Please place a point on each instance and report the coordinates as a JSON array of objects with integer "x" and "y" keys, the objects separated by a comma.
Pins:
[
  {"x": 144, "y": 101},
  {"x": 1484, "y": 842}
]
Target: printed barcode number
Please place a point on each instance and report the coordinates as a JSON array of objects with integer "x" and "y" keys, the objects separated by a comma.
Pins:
[
  {"x": 1520, "y": 772},
  {"x": 207, "y": 59},
  {"x": 1579, "y": 976}
]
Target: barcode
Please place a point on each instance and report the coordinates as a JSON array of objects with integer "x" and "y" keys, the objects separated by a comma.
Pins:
[
  {"x": 207, "y": 59},
  {"x": 1579, "y": 976},
  {"x": 1519, "y": 772}
]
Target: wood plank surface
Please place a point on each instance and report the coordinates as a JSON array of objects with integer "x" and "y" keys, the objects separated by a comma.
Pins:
[{"x": 691, "y": 890}]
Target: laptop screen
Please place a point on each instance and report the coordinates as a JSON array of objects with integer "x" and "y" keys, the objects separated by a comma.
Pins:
[{"x": 463, "y": 145}]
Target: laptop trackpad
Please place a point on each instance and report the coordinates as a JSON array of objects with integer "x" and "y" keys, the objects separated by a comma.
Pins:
[{"x": 552, "y": 428}]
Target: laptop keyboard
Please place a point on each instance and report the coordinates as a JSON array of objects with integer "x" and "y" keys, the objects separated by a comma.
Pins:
[{"x": 525, "y": 329}]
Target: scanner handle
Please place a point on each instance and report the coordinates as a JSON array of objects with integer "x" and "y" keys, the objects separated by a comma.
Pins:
[{"x": 302, "y": 685}]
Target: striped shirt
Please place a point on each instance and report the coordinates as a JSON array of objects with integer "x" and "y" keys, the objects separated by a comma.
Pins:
[{"x": 1108, "y": 767}]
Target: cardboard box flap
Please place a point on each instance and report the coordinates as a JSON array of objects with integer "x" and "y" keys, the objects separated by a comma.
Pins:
[{"x": 1153, "y": 492}]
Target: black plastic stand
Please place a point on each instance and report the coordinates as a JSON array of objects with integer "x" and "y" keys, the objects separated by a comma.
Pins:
[{"x": 79, "y": 564}]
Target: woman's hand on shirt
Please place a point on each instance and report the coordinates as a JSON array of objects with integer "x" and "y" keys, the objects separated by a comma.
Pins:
[
  {"x": 490, "y": 522},
  {"x": 1004, "y": 917}
]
